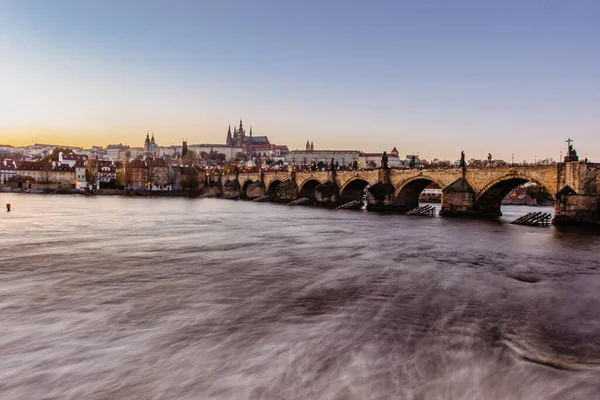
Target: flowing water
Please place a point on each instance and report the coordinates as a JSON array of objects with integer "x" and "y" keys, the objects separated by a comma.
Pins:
[{"x": 172, "y": 298}]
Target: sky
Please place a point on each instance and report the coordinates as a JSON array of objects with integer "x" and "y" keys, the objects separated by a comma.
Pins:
[{"x": 429, "y": 77}]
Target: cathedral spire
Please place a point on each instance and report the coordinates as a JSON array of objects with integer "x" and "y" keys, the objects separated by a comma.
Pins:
[
  {"x": 229, "y": 140},
  {"x": 250, "y": 131},
  {"x": 312, "y": 146},
  {"x": 307, "y": 145}
]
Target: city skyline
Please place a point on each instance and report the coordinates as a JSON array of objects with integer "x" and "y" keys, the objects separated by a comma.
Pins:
[{"x": 430, "y": 78}]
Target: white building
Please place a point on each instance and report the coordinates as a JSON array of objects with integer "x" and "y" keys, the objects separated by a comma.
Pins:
[
  {"x": 8, "y": 169},
  {"x": 307, "y": 157},
  {"x": 115, "y": 151},
  {"x": 227, "y": 151},
  {"x": 373, "y": 160},
  {"x": 80, "y": 181}
]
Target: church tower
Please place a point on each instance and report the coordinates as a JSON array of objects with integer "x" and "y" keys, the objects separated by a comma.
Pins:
[
  {"x": 241, "y": 134},
  {"x": 147, "y": 142},
  {"x": 229, "y": 140},
  {"x": 307, "y": 145}
]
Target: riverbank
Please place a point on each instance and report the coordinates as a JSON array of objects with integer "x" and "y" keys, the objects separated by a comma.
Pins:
[{"x": 107, "y": 192}]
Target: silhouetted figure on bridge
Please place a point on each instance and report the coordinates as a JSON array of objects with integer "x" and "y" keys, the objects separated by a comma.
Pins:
[
  {"x": 384, "y": 161},
  {"x": 413, "y": 161},
  {"x": 572, "y": 156}
]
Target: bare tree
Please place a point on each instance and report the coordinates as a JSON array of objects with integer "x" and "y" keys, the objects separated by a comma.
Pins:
[
  {"x": 124, "y": 175},
  {"x": 91, "y": 172},
  {"x": 174, "y": 177}
]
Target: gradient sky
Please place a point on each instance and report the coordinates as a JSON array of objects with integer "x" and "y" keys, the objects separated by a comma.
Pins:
[{"x": 433, "y": 77}]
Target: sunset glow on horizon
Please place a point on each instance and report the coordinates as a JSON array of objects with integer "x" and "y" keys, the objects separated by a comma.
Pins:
[{"x": 427, "y": 77}]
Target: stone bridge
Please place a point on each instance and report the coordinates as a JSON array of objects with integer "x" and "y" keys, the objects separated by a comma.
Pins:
[{"x": 575, "y": 187}]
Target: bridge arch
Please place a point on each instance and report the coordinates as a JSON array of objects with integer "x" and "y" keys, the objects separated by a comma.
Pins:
[
  {"x": 272, "y": 189},
  {"x": 308, "y": 188},
  {"x": 353, "y": 190},
  {"x": 408, "y": 193},
  {"x": 245, "y": 185},
  {"x": 489, "y": 199}
]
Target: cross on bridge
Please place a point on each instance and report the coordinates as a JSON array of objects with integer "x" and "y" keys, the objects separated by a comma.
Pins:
[{"x": 569, "y": 140}]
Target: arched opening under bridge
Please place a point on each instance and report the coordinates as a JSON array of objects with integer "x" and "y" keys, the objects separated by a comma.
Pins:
[
  {"x": 409, "y": 194},
  {"x": 272, "y": 189},
  {"x": 245, "y": 188},
  {"x": 489, "y": 202},
  {"x": 308, "y": 189},
  {"x": 354, "y": 190}
]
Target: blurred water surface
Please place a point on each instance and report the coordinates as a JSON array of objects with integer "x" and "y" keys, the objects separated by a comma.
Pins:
[{"x": 154, "y": 298}]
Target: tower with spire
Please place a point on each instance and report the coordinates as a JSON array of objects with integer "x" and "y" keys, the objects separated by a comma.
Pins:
[
  {"x": 147, "y": 141},
  {"x": 229, "y": 140},
  {"x": 151, "y": 149},
  {"x": 239, "y": 135}
]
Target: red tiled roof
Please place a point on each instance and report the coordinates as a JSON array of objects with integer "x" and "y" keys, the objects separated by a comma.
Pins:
[{"x": 137, "y": 163}]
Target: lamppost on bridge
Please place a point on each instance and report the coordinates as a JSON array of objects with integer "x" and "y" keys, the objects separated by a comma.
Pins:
[
  {"x": 560, "y": 159},
  {"x": 534, "y": 160},
  {"x": 513, "y": 159}
]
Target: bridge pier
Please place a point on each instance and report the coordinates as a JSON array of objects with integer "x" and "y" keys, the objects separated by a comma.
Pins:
[
  {"x": 578, "y": 200},
  {"x": 327, "y": 194},
  {"x": 577, "y": 209},
  {"x": 232, "y": 189},
  {"x": 380, "y": 197},
  {"x": 213, "y": 185},
  {"x": 458, "y": 199},
  {"x": 286, "y": 191},
  {"x": 255, "y": 190}
]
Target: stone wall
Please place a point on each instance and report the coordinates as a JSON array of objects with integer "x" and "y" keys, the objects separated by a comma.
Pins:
[
  {"x": 577, "y": 209},
  {"x": 327, "y": 193},
  {"x": 255, "y": 190},
  {"x": 232, "y": 189},
  {"x": 287, "y": 191}
]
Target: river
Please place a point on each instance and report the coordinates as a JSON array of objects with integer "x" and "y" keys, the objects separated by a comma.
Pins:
[{"x": 175, "y": 298}]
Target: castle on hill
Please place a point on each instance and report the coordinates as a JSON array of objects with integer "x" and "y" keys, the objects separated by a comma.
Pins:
[{"x": 239, "y": 137}]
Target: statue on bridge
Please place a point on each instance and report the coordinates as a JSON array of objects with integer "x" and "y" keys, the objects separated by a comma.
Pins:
[
  {"x": 413, "y": 161},
  {"x": 462, "y": 160},
  {"x": 332, "y": 165},
  {"x": 572, "y": 154},
  {"x": 384, "y": 161}
]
